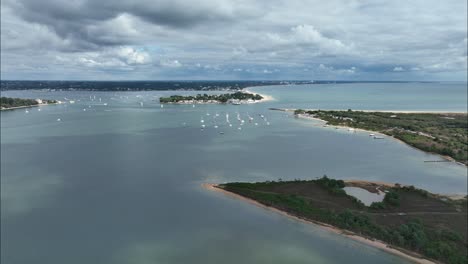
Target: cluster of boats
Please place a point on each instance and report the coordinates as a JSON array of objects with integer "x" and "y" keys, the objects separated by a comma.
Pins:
[
  {"x": 212, "y": 120},
  {"x": 216, "y": 121}
]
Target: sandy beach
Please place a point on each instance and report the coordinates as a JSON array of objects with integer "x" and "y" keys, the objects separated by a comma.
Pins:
[
  {"x": 414, "y": 111},
  {"x": 342, "y": 127},
  {"x": 324, "y": 122},
  {"x": 27, "y": 106},
  {"x": 266, "y": 97},
  {"x": 412, "y": 256},
  {"x": 385, "y": 111}
]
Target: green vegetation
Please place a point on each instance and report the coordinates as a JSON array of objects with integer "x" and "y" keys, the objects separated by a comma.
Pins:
[
  {"x": 7, "y": 102},
  {"x": 444, "y": 134},
  {"x": 222, "y": 98},
  {"x": 391, "y": 199},
  {"x": 408, "y": 218}
]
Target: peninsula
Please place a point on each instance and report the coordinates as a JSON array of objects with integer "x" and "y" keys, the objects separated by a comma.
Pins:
[
  {"x": 8, "y": 103},
  {"x": 410, "y": 222},
  {"x": 233, "y": 98},
  {"x": 445, "y": 134}
]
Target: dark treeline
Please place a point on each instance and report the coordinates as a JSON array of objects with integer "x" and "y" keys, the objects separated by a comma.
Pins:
[
  {"x": 222, "y": 98},
  {"x": 137, "y": 85},
  {"x": 156, "y": 85},
  {"x": 7, "y": 102}
]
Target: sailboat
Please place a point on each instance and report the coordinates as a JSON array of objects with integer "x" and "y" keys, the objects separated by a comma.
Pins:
[{"x": 250, "y": 118}]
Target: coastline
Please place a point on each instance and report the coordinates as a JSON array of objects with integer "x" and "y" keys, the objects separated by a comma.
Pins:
[
  {"x": 27, "y": 106},
  {"x": 411, "y": 256},
  {"x": 266, "y": 97},
  {"x": 383, "y": 111},
  {"x": 450, "y": 159}
]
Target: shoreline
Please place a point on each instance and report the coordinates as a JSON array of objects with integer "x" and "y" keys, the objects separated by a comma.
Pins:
[
  {"x": 447, "y": 158},
  {"x": 266, "y": 97},
  {"x": 411, "y": 256},
  {"x": 27, "y": 106},
  {"x": 382, "y": 111}
]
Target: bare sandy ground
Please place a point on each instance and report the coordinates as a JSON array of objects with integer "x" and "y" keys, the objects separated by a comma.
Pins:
[
  {"x": 414, "y": 257},
  {"x": 26, "y": 106},
  {"x": 266, "y": 97},
  {"x": 387, "y": 111}
]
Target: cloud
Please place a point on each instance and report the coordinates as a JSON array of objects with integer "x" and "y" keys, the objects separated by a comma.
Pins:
[
  {"x": 303, "y": 40},
  {"x": 90, "y": 24},
  {"x": 118, "y": 59},
  {"x": 336, "y": 71},
  {"x": 170, "y": 63},
  {"x": 132, "y": 56},
  {"x": 199, "y": 39},
  {"x": 325, "y": 68}
]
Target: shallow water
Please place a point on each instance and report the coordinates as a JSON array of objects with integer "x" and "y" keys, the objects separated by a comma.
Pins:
[
  {"x": 444, "y": 96},
  {"x": 366, "y": 197},
  {"x": 122, "y": 183}
]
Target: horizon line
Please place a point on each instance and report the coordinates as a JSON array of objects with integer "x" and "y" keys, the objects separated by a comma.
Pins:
[{"x": 229, "y": 80}]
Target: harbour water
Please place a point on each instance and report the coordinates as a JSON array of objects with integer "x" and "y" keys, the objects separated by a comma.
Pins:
[{"x": 121, "y": 183}]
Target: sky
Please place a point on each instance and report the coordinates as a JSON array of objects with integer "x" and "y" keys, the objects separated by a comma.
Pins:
[{"x": 234, "y": 40}]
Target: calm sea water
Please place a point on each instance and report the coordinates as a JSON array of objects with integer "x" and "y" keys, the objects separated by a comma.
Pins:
[
  {"x": 122, "y": 183},
  {"x": 446, "y": 96}
]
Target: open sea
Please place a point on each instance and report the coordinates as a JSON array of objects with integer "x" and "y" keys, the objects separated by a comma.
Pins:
[{"x": 122, "y": 183}]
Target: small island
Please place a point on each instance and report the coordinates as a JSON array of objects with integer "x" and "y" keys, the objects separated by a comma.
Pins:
[
  {"x": 411, "y": 222},
  {"x": 232, "y": 98},
  {"x": 8, "y": 103},
  {"x": 440, "y": 133}
]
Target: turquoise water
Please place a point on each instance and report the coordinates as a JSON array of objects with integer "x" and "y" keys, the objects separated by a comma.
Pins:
[
  {"x": 447, "y": 96},
  {"x": 122, "y": 183}
]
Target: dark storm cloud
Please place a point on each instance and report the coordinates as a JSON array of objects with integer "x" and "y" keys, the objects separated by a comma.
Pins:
[
  {"x": 309, "y": 39},
  {"x": 83, "y": 21}
]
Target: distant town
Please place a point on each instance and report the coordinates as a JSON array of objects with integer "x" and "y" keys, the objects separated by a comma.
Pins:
[{"x": 138, "y": 85}]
